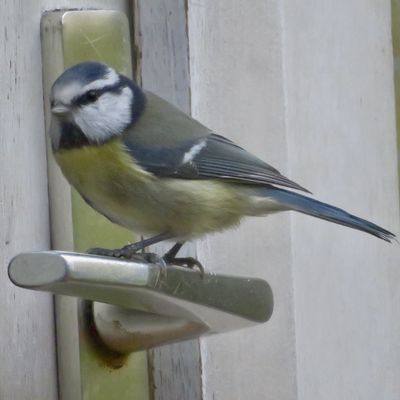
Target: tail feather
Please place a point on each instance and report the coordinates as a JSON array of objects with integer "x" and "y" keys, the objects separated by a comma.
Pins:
[{"x": 306, "y": 205}]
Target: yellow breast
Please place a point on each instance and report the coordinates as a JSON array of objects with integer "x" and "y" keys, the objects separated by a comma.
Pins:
[
  {"x": 92, "y": 165},
  {"x": 108, "y": 177}
]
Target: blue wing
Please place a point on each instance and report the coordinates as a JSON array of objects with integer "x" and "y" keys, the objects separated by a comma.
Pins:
[{"x": 169, "y": 143}]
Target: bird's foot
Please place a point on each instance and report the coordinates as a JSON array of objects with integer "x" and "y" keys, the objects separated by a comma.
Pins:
[
  {"x": 187, "y": 262},
  {"x": 98, "y": 251},
  {"x": 129, "y": 251}
]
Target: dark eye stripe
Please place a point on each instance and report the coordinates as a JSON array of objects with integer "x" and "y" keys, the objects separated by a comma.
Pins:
[
  {"x": 84, "y": 99},
  {"x": 89, "y": 97}
]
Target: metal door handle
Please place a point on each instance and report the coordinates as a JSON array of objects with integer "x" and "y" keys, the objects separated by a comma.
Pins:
[{"x": 141, "y": 305}]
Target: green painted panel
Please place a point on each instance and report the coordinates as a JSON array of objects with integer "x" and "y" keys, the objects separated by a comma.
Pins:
[
  {"x": 102, "y": 36},
  {"x": 396, "y": 59}
]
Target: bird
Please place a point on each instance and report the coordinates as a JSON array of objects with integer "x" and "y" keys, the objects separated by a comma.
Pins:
[{"x": 149, "y": 167}]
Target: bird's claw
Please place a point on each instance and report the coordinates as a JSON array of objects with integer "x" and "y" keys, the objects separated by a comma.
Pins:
[
  {"x": 130, "y": 252},
  {"x": 127, "y": 253},
  {"x": 98, "y": 251},
  {"x": 187, "y": 262}
]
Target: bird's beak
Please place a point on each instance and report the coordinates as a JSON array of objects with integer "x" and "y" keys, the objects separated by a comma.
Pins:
[{"x": 59, "y": 108}]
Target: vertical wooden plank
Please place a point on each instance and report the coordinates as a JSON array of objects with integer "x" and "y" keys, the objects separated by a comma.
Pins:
[
  {"x": 310, "y": 88},
  {"x": 27, "y": 345},
  {"x": 163, "y": 49},
  {"x": 342, "y": 145},
  {"x": 163, "y": 67},
  {"x": 238, "y": 91}
]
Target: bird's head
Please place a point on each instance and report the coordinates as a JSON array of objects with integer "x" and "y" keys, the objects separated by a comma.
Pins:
[{"x": 96, "y": 100}]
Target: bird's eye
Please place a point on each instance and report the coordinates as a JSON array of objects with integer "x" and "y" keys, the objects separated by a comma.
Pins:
[{"x": 90, "y": 96}]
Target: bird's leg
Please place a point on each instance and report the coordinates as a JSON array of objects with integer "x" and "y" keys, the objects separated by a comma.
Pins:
[
  {"x": 170, "y": 255},
  {"x": 141, "y": 239},
  {"x": 131, "y": 249},
  {"x": 189, "y": 262}
]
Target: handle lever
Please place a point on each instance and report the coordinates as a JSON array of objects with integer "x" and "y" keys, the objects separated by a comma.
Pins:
[{"x": 140, "y": 304}]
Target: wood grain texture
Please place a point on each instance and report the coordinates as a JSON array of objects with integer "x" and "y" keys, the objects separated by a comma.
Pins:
[
  {"x": 163, "y": 67},
  {"x": 27, "y": 343},
  {"x": 236, "y": 65},
  {"x": 342, "y": 144},
  {"x": 310, "y": 90}
]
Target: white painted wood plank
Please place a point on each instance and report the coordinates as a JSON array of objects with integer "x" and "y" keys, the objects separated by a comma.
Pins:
[
  {"x": 163, "y": 67},
  {"x": 28, "y": 368},
  {"x": 342, "y": 145},
  {"x": 163, "y": 58},
  {"x": 313, "y": 93},
  {"x": 27, "y": 346},
  {"x": 237, "y": 90}
]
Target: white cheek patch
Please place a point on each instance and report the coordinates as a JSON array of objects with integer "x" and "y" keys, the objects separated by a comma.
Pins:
[
  {"x": 106, "y": 117},
  {"x": 193, "y": 151}
]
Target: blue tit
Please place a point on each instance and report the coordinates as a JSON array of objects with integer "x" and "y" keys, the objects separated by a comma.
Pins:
[{"x": 149, "y": 167}]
